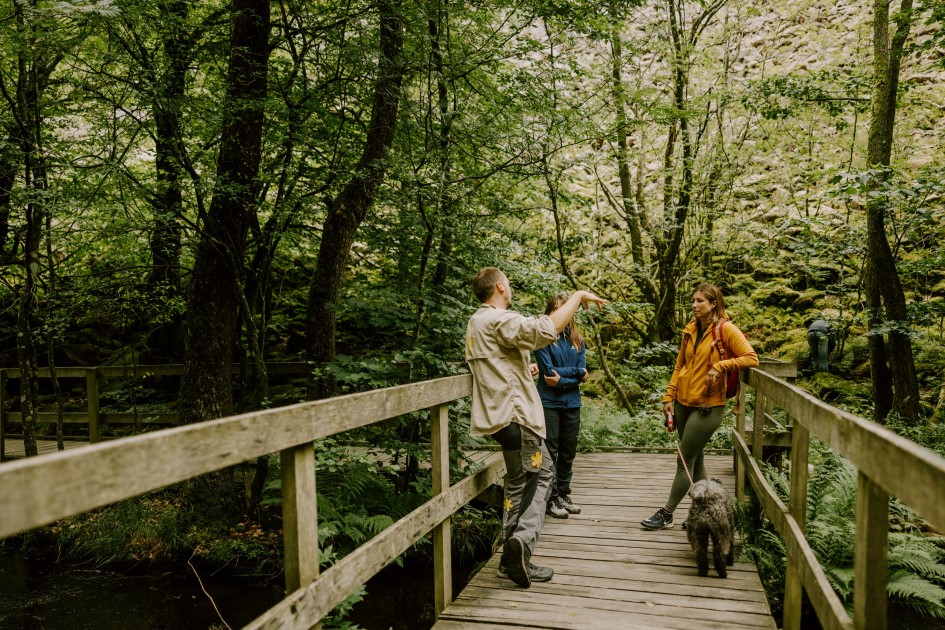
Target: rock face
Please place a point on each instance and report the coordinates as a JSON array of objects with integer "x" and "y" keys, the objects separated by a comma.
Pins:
[{"x": 779, "y": 92}]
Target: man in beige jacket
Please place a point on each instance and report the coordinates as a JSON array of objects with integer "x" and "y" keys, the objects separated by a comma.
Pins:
[{"x": 506, "y": 406}]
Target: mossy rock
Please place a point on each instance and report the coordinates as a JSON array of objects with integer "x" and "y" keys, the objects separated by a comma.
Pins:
[
  {"x": 938, "y": 290},
  {"x": 829, "y": 387},
  {"x": 856, "y": 352},
  {"x": 775, "y": 294},
  {"x": 770, "y": 269},
  {"x": 796, "y": 350},
  {"x": 739, "y": 284},
  {"x": 811, "y": 298}
]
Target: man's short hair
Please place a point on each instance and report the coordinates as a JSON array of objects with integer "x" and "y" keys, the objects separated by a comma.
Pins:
[{"x": 485, "y": 281}]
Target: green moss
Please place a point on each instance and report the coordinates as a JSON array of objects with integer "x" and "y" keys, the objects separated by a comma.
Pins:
[
  {"x": 811, "y": 298},
  {"x": 775, "y": 294},
  {"x": 830, "y": 387}
]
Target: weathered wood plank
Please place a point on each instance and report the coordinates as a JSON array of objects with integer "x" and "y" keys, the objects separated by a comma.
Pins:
[
  {"x": 829, "y": 608},
  {"x": 3, "y": 416},
  {"x": 590, "y": 605},
  {"x": 91, "y": 386},
  {"x": 442, "y": 547},
  {"x": 299, "y": 516},
  {"x": 869, "y": 562},
  {"x": 662, "y": 592},
  {"x": 304, "y": 607},
  {"x": 793, "y": 589},
  {"x": 144, "y": 371},
  {"x": 56, "y": 486},
  {"x": 609, "y": 571},
  {"x": 912, "y": 473}
]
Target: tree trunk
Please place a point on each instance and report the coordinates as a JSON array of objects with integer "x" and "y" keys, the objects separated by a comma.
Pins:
[
  {"x": 349, "y": 208},
  {"x": 33, "y": 71},
  {"x": 630, "y": 210},
  {"x": 9, "y": 166},
  {"x": 215, "y": 293},
  {"x": 676, "y": 201},
  {"x": 882, "y": 277},
  {"x": 165, "y": 242}
]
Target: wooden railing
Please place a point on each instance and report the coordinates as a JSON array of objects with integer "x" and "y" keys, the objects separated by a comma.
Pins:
[
  {"x": 38, "y": 491},
  {"x": 888, "y": 465},
  {"x": 93, "y": 416}
]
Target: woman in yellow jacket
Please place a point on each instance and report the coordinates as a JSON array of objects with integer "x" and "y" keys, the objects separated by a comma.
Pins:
[{"x": 695, "y": 398}]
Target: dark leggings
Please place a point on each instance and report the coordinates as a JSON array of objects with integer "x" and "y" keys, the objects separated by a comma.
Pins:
[{"x": 696, "y": 427}]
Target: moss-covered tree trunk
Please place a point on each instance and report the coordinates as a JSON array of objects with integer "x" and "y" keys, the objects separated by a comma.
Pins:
[
  {"x": 349, "y": 208},
  {"x": 884, "y": 289}
]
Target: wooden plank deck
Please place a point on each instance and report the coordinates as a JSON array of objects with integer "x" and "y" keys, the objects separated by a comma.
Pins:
[
  {"x": 609, "y": 571},
  {"x": 14, "y": 449}
]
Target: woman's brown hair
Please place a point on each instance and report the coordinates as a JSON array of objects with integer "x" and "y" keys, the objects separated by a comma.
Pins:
[
  {"x": 554, "y": 303},
  {"x": 714, "y": 295}
]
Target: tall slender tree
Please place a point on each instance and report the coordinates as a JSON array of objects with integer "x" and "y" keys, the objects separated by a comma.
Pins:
[
  {"x": 216, "y": 284},
  {"x": 348, "y": 209},
  {"x": 895, "y": 386},
  {"x": 36, "y": 60}
]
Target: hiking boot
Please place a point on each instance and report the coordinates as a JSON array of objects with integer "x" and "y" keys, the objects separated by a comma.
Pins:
[
  {"x": 535, "y": 573},
  {"x": 516, "y": 564},
  {"x": 556, "y": 509},
  {"x": 565, "y": 502},
  {"x": 661, "y": 520}
]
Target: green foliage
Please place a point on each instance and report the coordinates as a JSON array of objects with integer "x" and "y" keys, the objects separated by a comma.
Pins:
[
  {"x": 916, "y": 562},
  {"x": 835, "y": 90}
]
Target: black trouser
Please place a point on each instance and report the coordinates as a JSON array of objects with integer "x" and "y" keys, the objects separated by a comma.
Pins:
[{"x": 563, "y": 427}]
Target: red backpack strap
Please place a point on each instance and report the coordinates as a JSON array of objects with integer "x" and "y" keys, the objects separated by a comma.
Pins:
[{"x": 717, "y": 335}]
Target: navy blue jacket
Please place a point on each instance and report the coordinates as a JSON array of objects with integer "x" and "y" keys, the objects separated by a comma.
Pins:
[{"x": 570, "y": 364}]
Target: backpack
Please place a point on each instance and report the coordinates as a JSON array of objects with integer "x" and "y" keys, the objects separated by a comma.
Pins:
[{"x": 731, "y": 377}]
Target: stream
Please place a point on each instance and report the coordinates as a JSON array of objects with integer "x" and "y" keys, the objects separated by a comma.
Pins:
[{"x": 37, "y": 595}]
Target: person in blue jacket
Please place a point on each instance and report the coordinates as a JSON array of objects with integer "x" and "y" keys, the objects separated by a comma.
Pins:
[{"x": 562, "y": 368}]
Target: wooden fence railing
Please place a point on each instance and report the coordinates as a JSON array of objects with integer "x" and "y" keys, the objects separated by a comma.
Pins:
[
  {"x": 93, "y": 416},
  {"x": 38, "y": 491},
  {"x": 888, "y": 465}
]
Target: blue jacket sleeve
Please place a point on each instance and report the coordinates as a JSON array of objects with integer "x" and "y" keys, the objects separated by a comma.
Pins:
[
  {"x": 543, "y": 359},
  {"x": 573, "y": 375}
]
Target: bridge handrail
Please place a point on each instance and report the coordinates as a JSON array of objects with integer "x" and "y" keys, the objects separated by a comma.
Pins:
[
  {"x": 888, "y": 465},
  {"x": 93, "y": 416},
  {"x": 45, "y": 489}
]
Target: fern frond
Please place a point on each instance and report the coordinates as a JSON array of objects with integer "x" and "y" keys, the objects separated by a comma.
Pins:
[
  {"x": 917, "y": 593},
  {"x": 841, "y": 579},
  {"x": 378, "y": 523},
  {"x": 917, "y": 555}
]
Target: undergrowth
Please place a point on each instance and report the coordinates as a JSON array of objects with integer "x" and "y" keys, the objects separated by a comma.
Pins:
[{"x": 916, "y": 556}]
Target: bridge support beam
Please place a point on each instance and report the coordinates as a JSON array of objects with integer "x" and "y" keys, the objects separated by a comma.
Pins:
[
  {"x": 299, "y": 516},
  {"x": 869, "y": 563},
  {"x": 442, "y": 533}
]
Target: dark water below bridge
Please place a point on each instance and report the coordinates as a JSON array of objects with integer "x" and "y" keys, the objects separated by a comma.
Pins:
[{"x": 38, "y": 595}]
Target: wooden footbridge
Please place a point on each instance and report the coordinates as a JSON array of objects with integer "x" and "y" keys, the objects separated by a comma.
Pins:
[{"x": 609, "y": 572}]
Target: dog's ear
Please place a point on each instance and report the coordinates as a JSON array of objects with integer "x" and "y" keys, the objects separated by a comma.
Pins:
[
  {"x": 697, "y": 490},
  {"x": 718, "y": 481}
]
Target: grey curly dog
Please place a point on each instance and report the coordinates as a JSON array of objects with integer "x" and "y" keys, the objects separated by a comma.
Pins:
[{"x": 711, "y": 517}]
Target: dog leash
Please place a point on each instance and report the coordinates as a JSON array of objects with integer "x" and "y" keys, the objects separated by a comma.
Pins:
[{"x": 679, "y": 450}]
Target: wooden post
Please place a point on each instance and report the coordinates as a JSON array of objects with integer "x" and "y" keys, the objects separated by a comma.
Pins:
[
  {"x": 740, "y": 429},
  {"x": 299, "y": 516},
  {"x": 869, "y": 564},
  {"x": 442, "y": 533},
  {"x": 3, "y": 415},
  {"x": 91, "y": 391},
  {"x": 793, "y": 590},
  {"x": 758, "y": 428}
]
